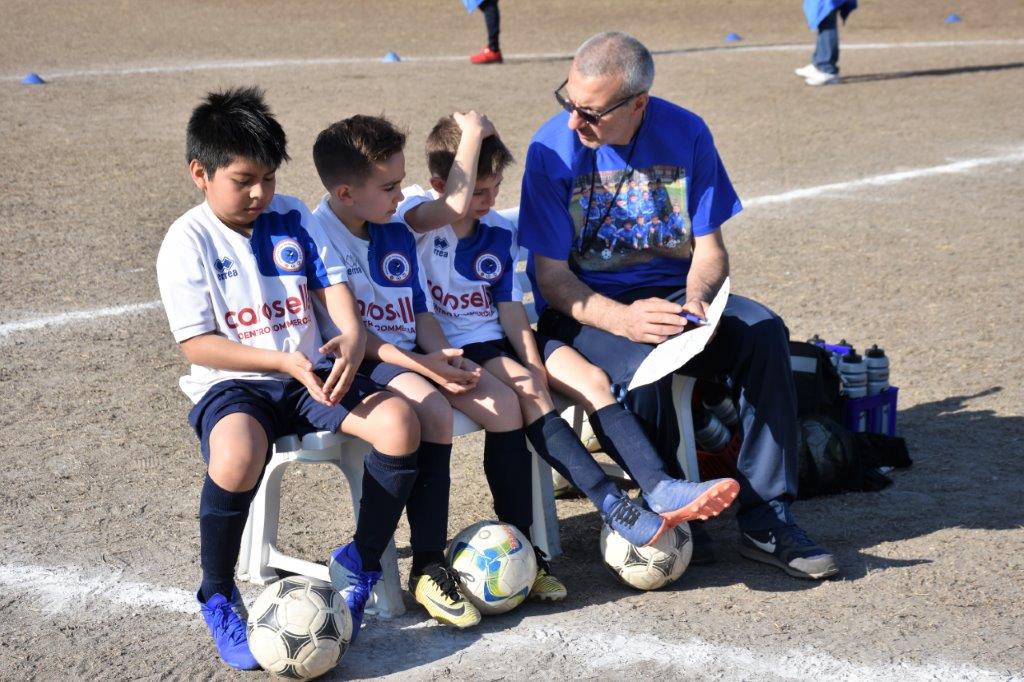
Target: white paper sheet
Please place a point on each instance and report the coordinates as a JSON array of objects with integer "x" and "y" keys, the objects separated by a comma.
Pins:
[{"x": 673, "y": 353}]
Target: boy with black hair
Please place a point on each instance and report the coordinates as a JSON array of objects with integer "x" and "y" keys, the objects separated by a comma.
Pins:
[
  {"x": 361, "y": 164},
  {"x": 496, "y": 334},
  {"x": 235, "y": 276}
]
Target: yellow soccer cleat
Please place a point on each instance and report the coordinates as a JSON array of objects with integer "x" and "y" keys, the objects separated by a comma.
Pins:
[
  {"x": 438, "y": 591},
  {"x": 546, "y": 587}
]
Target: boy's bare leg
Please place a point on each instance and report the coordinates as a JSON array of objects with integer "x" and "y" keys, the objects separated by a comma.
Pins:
[
  {"x": 386, "y": 422},
  {"x": 431, "y": 407},
  {"x": 492, "y": 405},
  {"x": 238, "y": 452}
]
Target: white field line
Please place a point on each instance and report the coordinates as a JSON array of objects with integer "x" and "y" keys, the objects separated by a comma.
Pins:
[
  {"x": 434, "y": 59},
  {"x": 64, "y": 318},
  {"x": 65, "y": 590},
  {"x": 61, "y": 589},
  {"x": 962, "y": 166}
]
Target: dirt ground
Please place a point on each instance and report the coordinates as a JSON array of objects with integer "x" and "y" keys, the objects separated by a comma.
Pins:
[{"x": 100, "y": 473}]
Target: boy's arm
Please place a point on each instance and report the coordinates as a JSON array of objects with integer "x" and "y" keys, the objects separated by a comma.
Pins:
[
  {"x": 436, "y": 366},
  {"x": 213, "y": 350},
  {"x": 516, "y": 326},
  {"x": 348, "y": 347},
  {"x": 458, "y": 191}
]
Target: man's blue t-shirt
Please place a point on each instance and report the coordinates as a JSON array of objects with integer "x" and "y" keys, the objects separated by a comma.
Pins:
[{"x": 672, "y": 145}]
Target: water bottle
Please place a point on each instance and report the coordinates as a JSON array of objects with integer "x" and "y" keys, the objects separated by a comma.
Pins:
[
  {"x": 854, "y": 374},
  {"x": 878, "y": 380},
  {"x": 878, "y": 370},
  {"x": 715, "y": 398},
  {"x": 711, "y": 434}
]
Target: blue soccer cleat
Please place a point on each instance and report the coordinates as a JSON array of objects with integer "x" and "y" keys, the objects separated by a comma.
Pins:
[
  {"x": 353, "y": 583},
  {"x": 227, "y": 627},
  {"x": 789, "y": 548},
  {"x": 637, "y": 525},
  {"x": 678, "y": 501}
]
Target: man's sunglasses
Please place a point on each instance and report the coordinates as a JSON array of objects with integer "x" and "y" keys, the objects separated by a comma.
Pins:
[{"x": 591, "y": 117}]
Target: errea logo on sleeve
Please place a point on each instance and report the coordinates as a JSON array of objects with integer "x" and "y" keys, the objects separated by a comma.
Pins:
[{"x": 225, "y": 268}]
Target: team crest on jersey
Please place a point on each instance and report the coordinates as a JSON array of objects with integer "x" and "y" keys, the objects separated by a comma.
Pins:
[
  {"x": 288, "y": 255},
  {"x": 487, "y": 267},
  {"x": 396, "y": 267}
]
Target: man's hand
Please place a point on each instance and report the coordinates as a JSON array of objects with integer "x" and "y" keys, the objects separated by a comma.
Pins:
[
  {"x": 451, "y": 371},
  {"x": 471, "y": 122},
  {"x": 651, "y": 320},
  {"x": 347, "y": 359},
  {"x": 297, "y": 366}
]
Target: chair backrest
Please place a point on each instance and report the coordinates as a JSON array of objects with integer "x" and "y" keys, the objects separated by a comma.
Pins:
[{"x": 512, "y": 214}]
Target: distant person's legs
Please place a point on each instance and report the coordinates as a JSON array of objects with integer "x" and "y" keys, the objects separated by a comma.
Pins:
[
  {"x": 492, "y": 17},
  {"x": 824, "y": 66},
  {"x": 826, "y": 54}
]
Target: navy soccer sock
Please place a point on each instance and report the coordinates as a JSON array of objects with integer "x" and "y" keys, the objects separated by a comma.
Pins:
[
  {"x": 427, "y": 508},
  {"x": 507, "y": 467},
  {"x": 222, "y": 516},
  {"x": 558, "y": 445},
  {"x": 387, "y": 482},
  {"x": 622, "y": 437}
]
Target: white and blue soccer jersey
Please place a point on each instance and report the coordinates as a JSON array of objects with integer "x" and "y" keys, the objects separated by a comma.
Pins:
[
  {"x": 251, "y": 290},
  {"x": 383, "y": 274},
  {"x": 467, "y": 278}
]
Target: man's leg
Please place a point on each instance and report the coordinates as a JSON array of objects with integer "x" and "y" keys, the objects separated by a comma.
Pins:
[{"x": 826, "y": 53}]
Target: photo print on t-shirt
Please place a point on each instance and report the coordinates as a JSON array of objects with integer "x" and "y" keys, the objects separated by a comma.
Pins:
[{"x": 624, "y": 218}]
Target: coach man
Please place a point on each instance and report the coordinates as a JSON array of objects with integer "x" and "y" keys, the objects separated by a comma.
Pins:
[{"x": 617, "y": 152}]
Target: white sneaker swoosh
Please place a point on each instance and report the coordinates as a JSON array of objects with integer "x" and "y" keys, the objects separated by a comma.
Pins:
[{"x": 763, "y": 546}]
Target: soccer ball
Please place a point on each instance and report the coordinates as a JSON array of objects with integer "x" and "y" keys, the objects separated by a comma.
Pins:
[
  {"x": 299, "y": 627},
  {"x": 588, "y": 438},
  {"x": 651, "y": 567},
  {"x": 495, "y": 564},
  {"x": 606, "y": 254}
]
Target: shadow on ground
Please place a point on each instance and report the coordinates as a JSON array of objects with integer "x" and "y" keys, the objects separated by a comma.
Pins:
[{"x": 953, "y": 71}]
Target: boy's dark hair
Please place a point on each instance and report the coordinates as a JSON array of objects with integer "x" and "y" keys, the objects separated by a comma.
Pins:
[
  {"x": 345, "y": 151},
  {"x": 443, "y": 142},
  {"x": 235, "y": 123}
]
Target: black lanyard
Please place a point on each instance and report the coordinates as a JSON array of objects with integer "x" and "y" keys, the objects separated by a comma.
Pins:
[{"x": 587, "y": 241}]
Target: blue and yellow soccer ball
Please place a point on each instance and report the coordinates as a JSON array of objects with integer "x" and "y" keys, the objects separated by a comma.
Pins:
[{"x": 496, "y": 566}]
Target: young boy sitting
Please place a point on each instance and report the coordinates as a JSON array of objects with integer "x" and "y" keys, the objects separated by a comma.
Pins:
[
  {"x": 495, "y": 333},
  {"x": 361, "y": 163},
  {"x": 235, "y": 276}
]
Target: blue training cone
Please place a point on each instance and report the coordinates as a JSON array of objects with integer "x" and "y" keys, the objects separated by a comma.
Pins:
[
  {"x": 953, "y": 18},
  {"x": 32, "y": 79},
  {"x": 391, "y": 57},
  {"x": 733, "y": 38}
]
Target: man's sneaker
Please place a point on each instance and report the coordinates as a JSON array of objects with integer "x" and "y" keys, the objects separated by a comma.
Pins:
[
  {"x": 637, "y": 525},
  {"x": 677, "y": 500},
  {"x": 546, "y": 587},
  {"x": 228, "y": 630},
  {"x": 353, "y": 583},
  {"x": 819, "y": 77},
  {"x": 487, "y": 56},
  {"x": 438, "y": 591},
  {"x": 789, "y": 548},
  {"x": 806, "y": 71}
]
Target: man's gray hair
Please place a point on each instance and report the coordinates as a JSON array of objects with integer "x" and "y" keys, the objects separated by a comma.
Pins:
[{"x": 613, "y": 53}]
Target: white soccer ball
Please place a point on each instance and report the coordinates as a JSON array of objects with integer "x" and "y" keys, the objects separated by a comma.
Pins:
[
  {"x": 606, "y": 254},
  {"x": 588, "y": 438},
  {"x": 495, "y": 564},
  {"x": 652, "y": 567},
  {"x": 299, "y": 628}
]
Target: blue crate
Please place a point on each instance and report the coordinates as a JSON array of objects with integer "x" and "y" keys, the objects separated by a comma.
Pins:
[{"x": 866, "y": 414}]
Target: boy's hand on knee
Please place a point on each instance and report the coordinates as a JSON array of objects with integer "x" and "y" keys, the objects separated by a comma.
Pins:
[
  {"x": 347, "y": 358},
  {"x": 449, "y": 369},
  {"x": 297, "y": 366}
]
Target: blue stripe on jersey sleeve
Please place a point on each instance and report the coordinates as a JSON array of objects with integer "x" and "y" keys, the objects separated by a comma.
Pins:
[{"x": 283, "y": 248}]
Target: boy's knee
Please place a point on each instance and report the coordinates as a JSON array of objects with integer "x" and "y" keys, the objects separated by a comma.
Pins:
[
  {"x": 507, "y": 411},
  {"x": 236, "y": 467},
  {"x": 395, "y": 426},
  {"x": 435, "y": 417}
]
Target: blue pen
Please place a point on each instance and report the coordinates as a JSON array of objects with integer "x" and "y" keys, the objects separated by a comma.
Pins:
[{"x": 696, "y": 320}]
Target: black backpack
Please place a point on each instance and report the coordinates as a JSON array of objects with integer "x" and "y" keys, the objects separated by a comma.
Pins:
[{"x": 817, "y": 381}]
